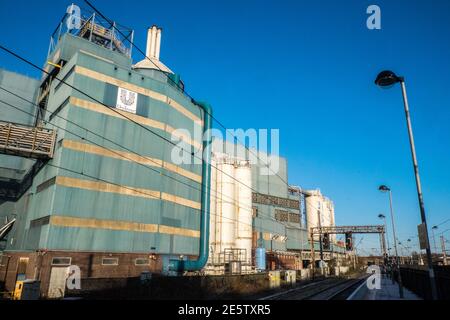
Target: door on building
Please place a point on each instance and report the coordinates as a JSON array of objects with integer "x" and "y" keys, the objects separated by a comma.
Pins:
[
  {"x": 22, "y": 265},
  {"x": 57, "y": 285}
]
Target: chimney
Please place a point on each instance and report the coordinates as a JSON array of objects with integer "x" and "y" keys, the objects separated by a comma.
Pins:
[{"x": 153, "y": 42}]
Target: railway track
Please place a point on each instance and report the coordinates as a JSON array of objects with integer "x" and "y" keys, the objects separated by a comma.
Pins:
[{"x": 328, "y": 289}]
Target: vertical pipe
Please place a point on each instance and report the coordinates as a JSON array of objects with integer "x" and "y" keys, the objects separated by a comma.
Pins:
[
  {"x": 148, "y": 50},
  {"x": 195, "y": 265},
  {"x": 153, "y": 42},
  {"x": 158, "y": 43}
]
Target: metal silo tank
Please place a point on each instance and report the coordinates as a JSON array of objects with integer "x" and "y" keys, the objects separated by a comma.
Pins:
[
  {"x": 244, "y": 209},
  {"x": 312, "y": 207},
  {"x": 228, "y": 214},
  {"x": 260, "y": 258}
]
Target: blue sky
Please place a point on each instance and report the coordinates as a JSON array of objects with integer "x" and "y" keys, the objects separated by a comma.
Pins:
[{"x": 307, "y": 68}]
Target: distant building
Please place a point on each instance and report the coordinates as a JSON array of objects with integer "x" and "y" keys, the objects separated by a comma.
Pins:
[{"x": 319, "y": 211}]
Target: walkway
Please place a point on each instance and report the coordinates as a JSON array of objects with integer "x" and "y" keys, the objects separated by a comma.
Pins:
[{"x": 388, "y": 291}]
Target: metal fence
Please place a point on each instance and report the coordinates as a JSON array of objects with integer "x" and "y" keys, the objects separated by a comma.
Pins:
[{"x": 416, "y": 279}]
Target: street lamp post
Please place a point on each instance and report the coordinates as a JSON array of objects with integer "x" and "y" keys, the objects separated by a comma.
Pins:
[
  {"x": 400, "y": 284},
  {"x": 386, "y": 79}
]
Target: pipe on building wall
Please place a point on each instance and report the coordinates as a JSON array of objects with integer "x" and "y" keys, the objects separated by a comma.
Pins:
[{"x": 195, "y": 265}]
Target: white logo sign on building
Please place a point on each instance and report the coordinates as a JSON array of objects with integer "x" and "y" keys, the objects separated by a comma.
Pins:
[{"x": 126, "y": 100}]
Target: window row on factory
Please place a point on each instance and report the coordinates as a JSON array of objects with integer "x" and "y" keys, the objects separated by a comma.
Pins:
[
  {"x": 106, "y": 261},
  {"x": 275, "y": 201}
]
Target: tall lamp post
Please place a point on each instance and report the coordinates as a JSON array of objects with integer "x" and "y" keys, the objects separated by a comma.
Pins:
[
  {"x": 387, "y": 79},
  {"x": 384, "y": 188}
]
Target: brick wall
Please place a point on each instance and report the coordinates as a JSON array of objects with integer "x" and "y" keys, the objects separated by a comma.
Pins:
[{"x": 173, "y": 288}]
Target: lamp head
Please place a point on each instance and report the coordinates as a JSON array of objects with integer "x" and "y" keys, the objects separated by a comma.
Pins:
[
  {"x": 381, "y": 216},
  {"x": 387, "y": 78},
  {"x": 434, "y": 227},
  {"x": 384, "y": 188}
]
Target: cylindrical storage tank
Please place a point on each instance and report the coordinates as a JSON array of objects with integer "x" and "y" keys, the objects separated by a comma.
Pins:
[
  {"x": 228, "y": 214},
  {"x": 244, "y": 209},
  {"x": 312, "y": 205},
  {"x": 260, "y": 257}
]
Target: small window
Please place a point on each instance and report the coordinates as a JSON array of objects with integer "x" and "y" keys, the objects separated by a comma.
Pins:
[
  {"x": 65, "y": 261},
  {"x": 142, "y": 262},
  {"x": 110, "y": 261}
]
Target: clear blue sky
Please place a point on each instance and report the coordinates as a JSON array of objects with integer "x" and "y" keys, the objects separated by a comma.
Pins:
[{"x": 307, "y": 68}]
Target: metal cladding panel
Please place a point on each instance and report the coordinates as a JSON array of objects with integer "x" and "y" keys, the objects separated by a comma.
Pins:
[
  {"x": 141, "y": 80},
  {"x": 83, "y": 239},
  {"x": 69, "y": 45},
  {"x": 147, "y": 106},
  {"x": 297, "y": 239},
  {"x": 127, "y": 173},
  {"x": 273, "y": 184},
  {"x": 150, "y": 141},
  {"x": 23, "y": 86},
  {"x": 266, "y": 224},
  {"x": 12, "y": 167},
  {"x": 122, "y": 135},
  {"x": 87, "y": 204}
]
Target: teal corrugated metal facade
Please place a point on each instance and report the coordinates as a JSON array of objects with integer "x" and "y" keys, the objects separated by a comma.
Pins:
[{"x": 118, "y": 215}]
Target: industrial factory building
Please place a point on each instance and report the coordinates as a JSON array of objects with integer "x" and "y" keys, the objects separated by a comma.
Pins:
[
  {"x": 255, "y": 214},
  {"x": 87, "y": 178}
]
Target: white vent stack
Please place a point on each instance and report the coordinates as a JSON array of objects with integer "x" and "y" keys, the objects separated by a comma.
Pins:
[
  {"x": 153, "y": 42},
  {"x": 153, "y": 49}
]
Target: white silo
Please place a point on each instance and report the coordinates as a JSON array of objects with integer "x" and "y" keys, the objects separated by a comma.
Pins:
[
  {"x": 244, "y": 209},
  {"x": 228, "y": 214},
  {"x": 231, "y": 213},
  {"x": 319, "y": 211}
]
